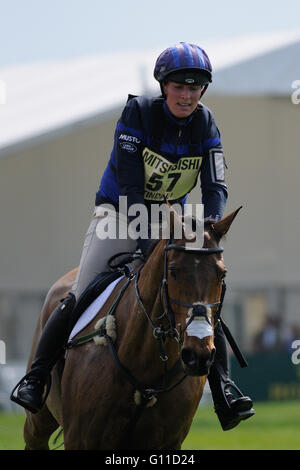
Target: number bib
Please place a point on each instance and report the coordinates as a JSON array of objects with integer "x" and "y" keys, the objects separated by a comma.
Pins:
[{"x": 164, "y": 178}]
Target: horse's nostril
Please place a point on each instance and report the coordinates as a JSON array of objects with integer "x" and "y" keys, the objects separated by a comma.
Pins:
[{"x": 189, "y": 357}]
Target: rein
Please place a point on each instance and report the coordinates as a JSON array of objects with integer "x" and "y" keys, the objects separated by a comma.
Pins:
[{"x": 147, "y": 393}]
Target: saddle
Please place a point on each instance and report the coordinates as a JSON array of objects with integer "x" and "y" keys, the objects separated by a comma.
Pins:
[
  {"x": 119, "y": 267},
  {"x": 92, "y": 291}
]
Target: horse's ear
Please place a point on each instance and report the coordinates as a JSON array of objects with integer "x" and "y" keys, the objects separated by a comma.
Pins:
[
  {"x": 224, "y": 224},
  {"x": 174, "y": 218}
]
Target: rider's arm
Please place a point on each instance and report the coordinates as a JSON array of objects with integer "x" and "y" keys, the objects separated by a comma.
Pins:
[
  {"x": 129, "y": 145},
  {"x": 214, "y": 189}
]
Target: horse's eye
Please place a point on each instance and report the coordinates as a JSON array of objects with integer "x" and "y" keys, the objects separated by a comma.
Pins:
[
  {"x": 173, "y": 272},
  {"x": 223, "y": 274},
  {"x": 221, "y": 271}
]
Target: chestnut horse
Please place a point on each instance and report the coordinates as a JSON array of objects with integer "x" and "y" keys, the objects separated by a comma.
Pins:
[{"x": 141, "y": 389}]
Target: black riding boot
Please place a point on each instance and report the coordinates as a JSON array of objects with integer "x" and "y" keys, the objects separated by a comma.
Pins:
[
  {"x": 31, "y": 392},
  {"x": 231, "y": 406}
]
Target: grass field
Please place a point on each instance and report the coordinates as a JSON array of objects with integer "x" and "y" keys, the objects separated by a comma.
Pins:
[{"x": 276, "y": 426}]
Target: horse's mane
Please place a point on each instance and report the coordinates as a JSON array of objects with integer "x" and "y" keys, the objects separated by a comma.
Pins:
[{"x": 150, "y": 248}]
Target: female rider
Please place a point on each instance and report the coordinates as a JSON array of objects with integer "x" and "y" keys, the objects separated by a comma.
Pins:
[{"x": 161, "y": 146}]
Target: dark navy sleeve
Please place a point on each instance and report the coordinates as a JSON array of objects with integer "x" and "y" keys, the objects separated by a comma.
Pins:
[
  {"x": 213, "y": 186},
  {"x": 129, "y": 144}
]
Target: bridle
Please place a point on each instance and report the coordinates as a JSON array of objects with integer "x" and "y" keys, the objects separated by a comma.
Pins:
[{"x": 198, "y": 310}]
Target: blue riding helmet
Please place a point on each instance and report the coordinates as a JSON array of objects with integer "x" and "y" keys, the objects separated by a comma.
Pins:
[{"x": 184, "y": 63}]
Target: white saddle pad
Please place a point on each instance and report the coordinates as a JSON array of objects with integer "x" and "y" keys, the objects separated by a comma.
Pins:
[{"x": 90, "y": 313}]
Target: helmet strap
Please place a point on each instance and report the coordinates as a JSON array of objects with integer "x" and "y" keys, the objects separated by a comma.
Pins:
[
  {"x": 204, "y": 90},
  {"x": 162, "y": 88}
]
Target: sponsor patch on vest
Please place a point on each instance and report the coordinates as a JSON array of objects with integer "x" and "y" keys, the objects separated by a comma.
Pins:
[
  {"x": 128, "y": 146},
  {"x": 129, "y": 138},
  {"x": 164, "y": 178}
]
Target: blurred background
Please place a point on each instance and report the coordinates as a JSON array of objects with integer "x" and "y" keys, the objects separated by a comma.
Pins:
[{"x": 66, "y": 69}]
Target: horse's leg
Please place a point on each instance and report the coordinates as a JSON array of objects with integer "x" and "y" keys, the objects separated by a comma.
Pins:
[{"x": 38, "y": 429}]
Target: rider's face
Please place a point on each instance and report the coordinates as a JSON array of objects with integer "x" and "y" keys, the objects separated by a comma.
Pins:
[{"x": 182, "y": 99}]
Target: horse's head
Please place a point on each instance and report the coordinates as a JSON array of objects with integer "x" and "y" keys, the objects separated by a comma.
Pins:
[{"x": 194, "y": 284}]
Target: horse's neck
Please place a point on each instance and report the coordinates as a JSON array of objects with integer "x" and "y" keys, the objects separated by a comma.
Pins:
[{"x": 150, "y": 282}]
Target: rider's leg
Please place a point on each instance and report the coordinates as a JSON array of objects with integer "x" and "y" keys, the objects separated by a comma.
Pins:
[
  {"x": 30, "y": 390},
  {"x": 230, "y": 405}
]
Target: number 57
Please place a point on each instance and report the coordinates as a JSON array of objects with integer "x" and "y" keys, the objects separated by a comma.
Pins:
[{"x": 155, "y": 181}]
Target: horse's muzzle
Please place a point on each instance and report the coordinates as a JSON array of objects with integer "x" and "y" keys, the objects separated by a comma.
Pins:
[{"x": 197, "y": 364}]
